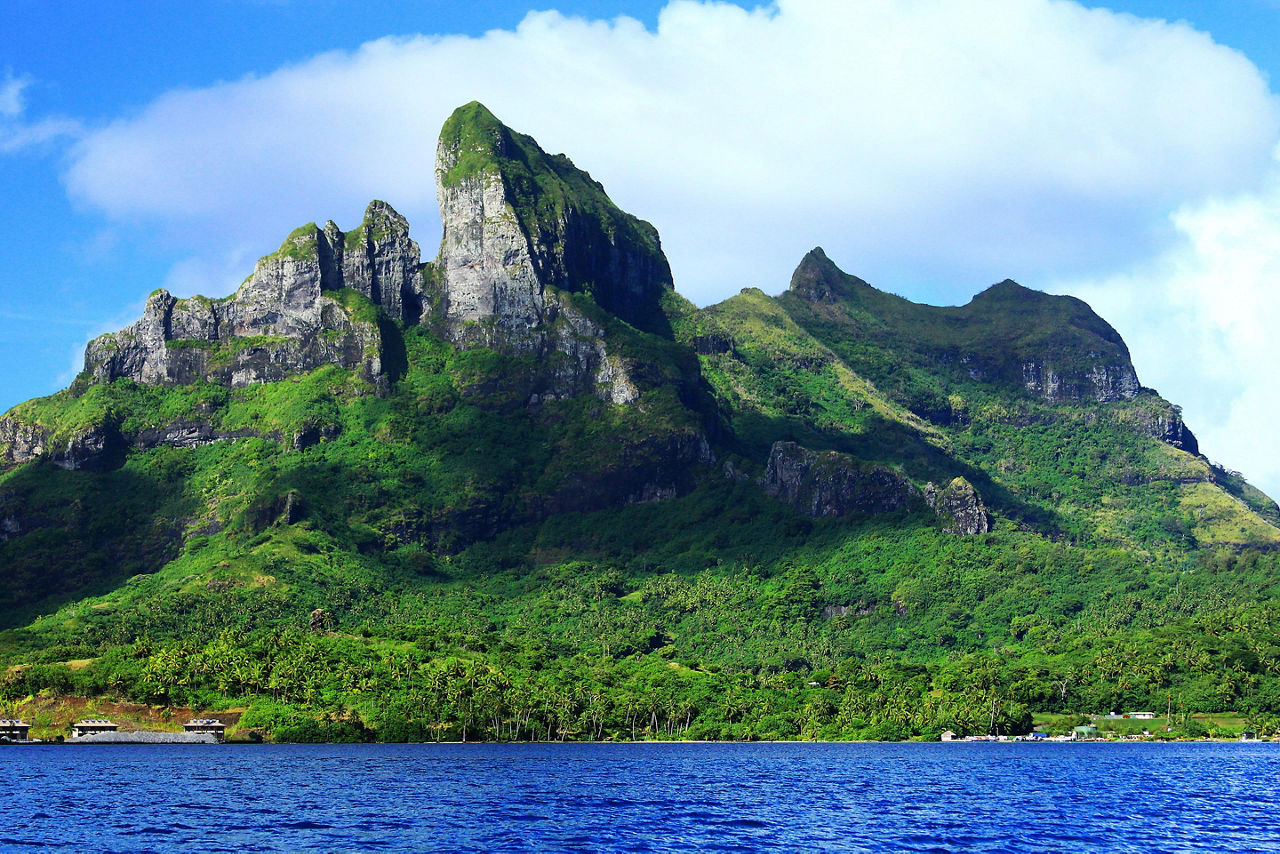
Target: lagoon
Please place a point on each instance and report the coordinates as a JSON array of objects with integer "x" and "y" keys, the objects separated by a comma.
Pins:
[{"x": 642, "y": 797}]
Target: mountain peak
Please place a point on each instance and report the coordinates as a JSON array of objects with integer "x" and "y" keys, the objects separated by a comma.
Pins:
[
  {"x": 1056, "y": 347},
  {"x": 549, "y": 224},
  {"x": 477, "y": 140},
  {"x": 818, "y": 279},
  {"x": 1007, "y": 293}
]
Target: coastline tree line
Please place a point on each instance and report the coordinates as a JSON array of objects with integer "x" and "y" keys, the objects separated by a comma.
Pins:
[{"x": 605, "y": 668}]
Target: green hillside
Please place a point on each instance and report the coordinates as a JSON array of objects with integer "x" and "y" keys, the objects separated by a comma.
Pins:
[{"x": 526, "y": 491}]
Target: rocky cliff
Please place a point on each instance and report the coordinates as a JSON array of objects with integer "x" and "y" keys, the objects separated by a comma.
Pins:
[
  {"x": 536, "y": 264},
  {"x": 285, "y": 319},
  {"x": 525, "y": 232},
  {"x": 1161, "y": 420},
  {"x": 520, "y": 224},
  {"x": 959, "y": 507},
  {"x": 826, "y": 484},
  {"x": 534, "y": 260}
]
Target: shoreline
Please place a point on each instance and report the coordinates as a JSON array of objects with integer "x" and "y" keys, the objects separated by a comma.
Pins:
[{"x": 171, "y": 739}]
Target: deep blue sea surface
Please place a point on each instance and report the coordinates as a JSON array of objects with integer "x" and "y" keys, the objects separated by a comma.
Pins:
[{"x": 642, "y": 797}]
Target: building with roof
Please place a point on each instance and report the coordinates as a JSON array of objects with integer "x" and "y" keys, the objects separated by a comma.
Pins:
[
  {"x": 14, "y": 730},
  {"x": 89, "y": 726},
  {"x": 207, "y": 726}
]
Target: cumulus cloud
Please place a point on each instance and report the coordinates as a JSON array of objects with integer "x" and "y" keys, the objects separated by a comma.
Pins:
[
  {"x": 943, "y": 141},
  {"x": 931, "y": 146},
  {"x": 1201, "y": 321}
]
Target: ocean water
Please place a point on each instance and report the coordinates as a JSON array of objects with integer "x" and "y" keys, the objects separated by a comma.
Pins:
[{"x": 642, "y": 797}]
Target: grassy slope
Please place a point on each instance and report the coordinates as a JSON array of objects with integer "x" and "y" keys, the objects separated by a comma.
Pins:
[
  {"x": 441, "y": 559},
  {"x": 1082, "y": 470},
  {"x": 723, "y": 590}
]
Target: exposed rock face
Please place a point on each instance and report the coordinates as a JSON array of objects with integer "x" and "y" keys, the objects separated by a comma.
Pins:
[
  {"x": 1163, "y": 421},
  {"x": 186, "y": 433},
  {"x": 20, "y": 442},
  {"x": 959, "y": 508},
  {"x": 827, "y": 484},
  {"x": 818, "y": 279},
  {"x": 504, "y": 199},
  {"x": 490, "y": 290},
  {"x": 92, "y": 447},
  {"x": 281, "y": 321},
  {"x": 378, "y": 259},
  {"x": 1179, "y": 435},
  {"x": 522, "y": 231},
  {"x": 1100, "y": 383},
  {"x": 100, "y": 446}
]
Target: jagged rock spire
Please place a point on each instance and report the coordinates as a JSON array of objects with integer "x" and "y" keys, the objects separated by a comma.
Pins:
[{"x": 271, "y": 327}]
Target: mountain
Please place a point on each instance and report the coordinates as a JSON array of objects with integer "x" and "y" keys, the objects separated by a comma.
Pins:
[{"x": 525, "y": 490}]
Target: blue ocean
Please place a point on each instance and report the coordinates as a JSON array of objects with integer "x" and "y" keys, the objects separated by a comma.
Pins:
[{"x": 642, "y": 797}]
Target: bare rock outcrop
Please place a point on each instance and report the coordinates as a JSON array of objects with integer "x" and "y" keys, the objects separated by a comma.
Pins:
[
  {"x": 827, "y": 484},
  {"x": 1100, "y": 383},
  {"x": 959, "y": 508},
  {"x": 524, "y": 233},
  {"x": 20, "y": 442},
  {"x": 90, "y": 447},
  {"x": 286, "y": 319},
  {"x": 1153, "y": 416}
]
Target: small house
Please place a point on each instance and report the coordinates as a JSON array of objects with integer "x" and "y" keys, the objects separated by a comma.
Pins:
[
  {"x": 91, "y": 726},
  {"x": 14, "y": 730},
  {"x": 948, "y": 736},
  {"x": 206, "y": 726},
  {"x": 1141, "y": 716},
  {"x": 1086, "y": 731}
]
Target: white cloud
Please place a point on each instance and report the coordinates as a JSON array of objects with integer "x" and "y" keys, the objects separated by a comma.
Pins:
[
  {"x": 961, "y": 139},
  {"x": 1201, "y": 323},
  {"x": 931, "y": 146},
  {"x": 18, "y": 136}
]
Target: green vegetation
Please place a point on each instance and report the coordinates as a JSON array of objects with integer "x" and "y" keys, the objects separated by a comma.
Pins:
[
  {"x": 301, "y": 244},
  {"x": 399, "y": 579},
  {"x": 451, "y": 553}
]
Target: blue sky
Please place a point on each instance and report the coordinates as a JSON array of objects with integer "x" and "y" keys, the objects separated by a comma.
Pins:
[{"x": 1122, "y": 152}]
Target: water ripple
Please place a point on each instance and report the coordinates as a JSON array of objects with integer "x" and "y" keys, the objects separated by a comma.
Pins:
[{"x": 644, "y": 798}]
